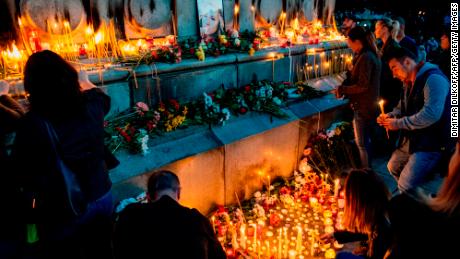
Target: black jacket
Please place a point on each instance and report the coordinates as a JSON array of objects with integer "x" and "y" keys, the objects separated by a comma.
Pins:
[
  {"x": 420, "y": 232},
  {"x": 81, "y": 139},
  {"x": 165, "y": 230},
  {"x": 381, "y": 239},
  {"x": 364, "y": 84}
]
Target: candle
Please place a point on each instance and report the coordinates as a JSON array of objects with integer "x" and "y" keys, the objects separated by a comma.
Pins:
[
  {"x": 268, "y": 186},
  {"x": 299, "y": 239},
  {"x": 243, "y": 236},
  {"x": 336, "y": 187},
  {"x": 279, "y": 243},
  {"x": 382, "y": 110},
  {"x": 213, "y": 224}
]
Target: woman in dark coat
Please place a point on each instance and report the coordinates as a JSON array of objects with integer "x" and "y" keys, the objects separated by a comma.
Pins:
[
  {"x": 362, "y": 88},
  {"x": 76, "y": 112}
]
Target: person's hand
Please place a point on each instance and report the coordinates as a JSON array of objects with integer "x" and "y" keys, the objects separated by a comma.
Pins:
[
  {"x": 83, "y": 79},
  {"x": 387, "y": 122},
  {"x": 360, "y": 250},
  {"x": 327, "y": 237},
  {"x": 338, "y": 92},
  {"x": 382, "y": 118},
  {"x": 4, "y": 87}
]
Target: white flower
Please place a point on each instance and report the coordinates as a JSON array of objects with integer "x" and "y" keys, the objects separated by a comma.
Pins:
[
  {"x": 226, "y": 113},
  {"x": 269, "y": 91},
  {"x": 207, "y": 100},
  {"x": 257, "y": 195},
  {"x": 277, "y": 101},
  {"x": 259, "y": 211},
  {"x": 237, "y": 42},
  {"x": 298, "y": 179},
  {"x": 330, "y": 133}
]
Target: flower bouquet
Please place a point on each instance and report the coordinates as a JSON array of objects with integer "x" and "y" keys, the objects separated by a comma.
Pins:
[
  {"x": 330, "y": 151},
  {"x": 132, "y": 128}
]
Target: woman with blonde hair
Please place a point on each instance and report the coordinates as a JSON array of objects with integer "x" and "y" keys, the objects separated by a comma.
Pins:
[{"x": 365, "y": 215}]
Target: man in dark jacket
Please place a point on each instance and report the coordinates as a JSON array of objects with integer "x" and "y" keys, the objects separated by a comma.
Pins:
[
  {"x": 163, "y": 228},
  {"x": 422, "y": 116}
]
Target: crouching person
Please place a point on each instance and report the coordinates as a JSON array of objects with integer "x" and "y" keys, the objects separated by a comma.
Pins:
[{"x": 162, "y": 228}]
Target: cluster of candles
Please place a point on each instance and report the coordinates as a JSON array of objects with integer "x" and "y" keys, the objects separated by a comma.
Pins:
[
  {"x": 291, "y": 228},
  {"x": 326, "y": 63}
]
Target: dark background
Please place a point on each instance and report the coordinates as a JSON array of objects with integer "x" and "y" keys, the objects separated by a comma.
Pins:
[{"x": 423, "y": 17}]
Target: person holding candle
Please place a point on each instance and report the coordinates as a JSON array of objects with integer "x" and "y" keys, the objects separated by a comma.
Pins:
[
  {"x": 365, "y": 215},
  {"x": 363, "y": 89},
  {"x": 422, "y": 117},
  {"x": 76, "y": 113},
  {"x": 162, "y": 228}
]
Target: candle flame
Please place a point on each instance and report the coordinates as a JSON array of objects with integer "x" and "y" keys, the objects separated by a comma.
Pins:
[
  {"x": 237, "y": 9},
  {"x": 98, "y": 37}
]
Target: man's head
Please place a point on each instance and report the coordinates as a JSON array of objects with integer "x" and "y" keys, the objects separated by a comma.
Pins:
[
  {"x": 349, "y": 22},
  {"x": 402, "y": 63},
  {"x": 163, "y": 183}
]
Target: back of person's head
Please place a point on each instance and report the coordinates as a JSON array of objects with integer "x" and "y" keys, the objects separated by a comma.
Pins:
[
  {"x": 162, "y": 182},
  {"x": 401, "y": 21},
  {"x": 365, "y": 37},
  {"x": 366, "y": 201},
  {"x": 448, "y": 198},
  {"x": 391, "y": 25},
  {"x": 52, "y": 84},
  {"x": 401, "y": 54}
]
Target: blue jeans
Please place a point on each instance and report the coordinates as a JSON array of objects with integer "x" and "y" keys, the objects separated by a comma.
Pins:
[
  {"x": 100, "y": 208},
  {"x": 348, "y": 255},
  {"x": 411, "y": 170},
  {"x": 362, "y": 130}
]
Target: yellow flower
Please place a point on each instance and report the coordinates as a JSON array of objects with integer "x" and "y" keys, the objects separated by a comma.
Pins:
[{"x": 251, "y": 52}]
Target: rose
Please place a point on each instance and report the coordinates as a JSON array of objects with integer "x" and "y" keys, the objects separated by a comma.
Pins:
[
  {"x": 155, "y": 55},
  {"x": 275, "y": 220},
  {"x": 285, "y": 190},
  {"x": 247, "y": 88},
  {"x": 142, "y": 106},
  {"x": 243, "y": 110}
]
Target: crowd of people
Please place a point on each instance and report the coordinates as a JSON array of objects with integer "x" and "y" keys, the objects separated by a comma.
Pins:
[{"x": 64, "y": 122}]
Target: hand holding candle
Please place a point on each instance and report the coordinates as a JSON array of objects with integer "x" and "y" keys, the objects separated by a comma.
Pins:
[{"x": 382, "y": 111}]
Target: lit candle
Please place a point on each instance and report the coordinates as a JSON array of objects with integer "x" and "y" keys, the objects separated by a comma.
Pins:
[
  {"x": 336, "y": 187},
  {"x": 213, "y": 224},
  {"x": 243, "y": 236},
  {"x": 382, "y": 110},
  {"x": 299, "y": 239}
]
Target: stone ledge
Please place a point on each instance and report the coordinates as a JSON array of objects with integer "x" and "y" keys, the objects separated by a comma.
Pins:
[
  {"x": 198, "y": 139},
  {"x": 119, "y": 73}
]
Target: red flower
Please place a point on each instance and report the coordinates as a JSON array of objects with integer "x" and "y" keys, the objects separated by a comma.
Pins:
[
  {"x": 221, "y": 209},
  {"x": 243, "y": 110},
  {"x": 275, "y": 219},
  {"x": 174, "y": 104},
  {"x": 192, "y": 51},
  {"x": 247, "y": 88},
  {"x": 155, "y": 55},
  {"x": 285, "y": 190}
]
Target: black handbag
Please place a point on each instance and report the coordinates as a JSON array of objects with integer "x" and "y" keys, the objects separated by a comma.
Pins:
[{"x": 74, "y": 201}]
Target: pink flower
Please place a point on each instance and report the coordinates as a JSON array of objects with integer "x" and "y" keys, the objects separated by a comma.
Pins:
[{"x": 142, "y": 106}]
